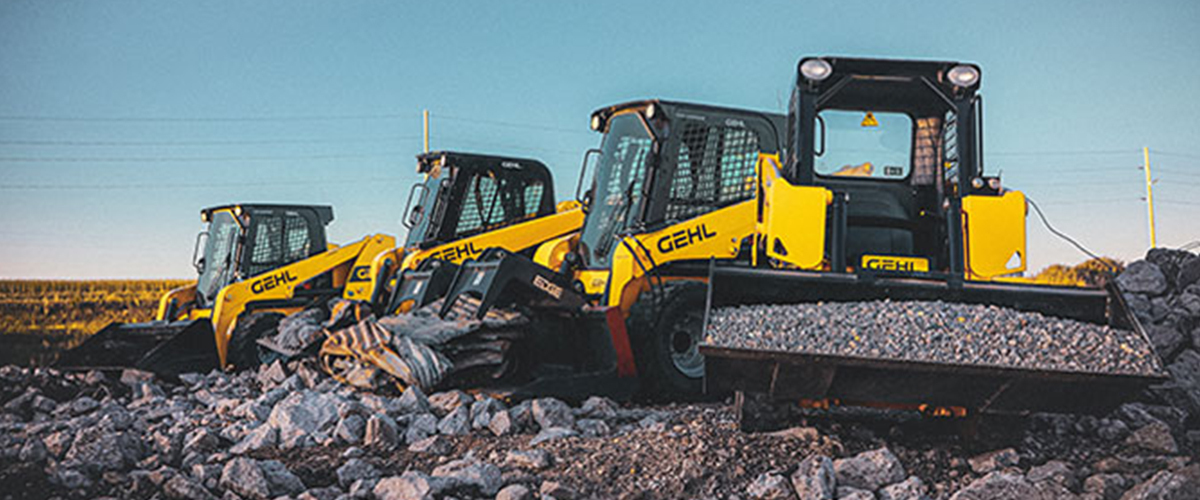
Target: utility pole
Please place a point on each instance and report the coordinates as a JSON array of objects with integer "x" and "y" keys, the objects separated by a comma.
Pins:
[
  {"x": 425, "y": 114},
  {"x": 1149, "y": 194}
]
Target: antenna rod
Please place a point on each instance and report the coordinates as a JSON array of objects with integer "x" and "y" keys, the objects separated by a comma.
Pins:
[{"x": 1149, "y": 195}]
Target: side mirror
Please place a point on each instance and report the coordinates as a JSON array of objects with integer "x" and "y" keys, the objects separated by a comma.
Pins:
[
  {"x": 579, "y": 195},
  {"x": 413, "y": 213},
  {"x": 197, "y": 256}
]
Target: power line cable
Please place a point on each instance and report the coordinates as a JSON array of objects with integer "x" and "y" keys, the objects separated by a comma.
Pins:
[
  {"x": 1178, "y": 202},
  {"x": 1066, "y": 238},
  {"x": 248, "y": 142},
  {"x": 1170, "y": 153},
  {"x": 499, "y": 123},
  {"x": 99, "y": 187},
  {"x": 207, "y": 119},
  {"x": 1063, "y": 153},
  {"x": 185, "y": 159}
]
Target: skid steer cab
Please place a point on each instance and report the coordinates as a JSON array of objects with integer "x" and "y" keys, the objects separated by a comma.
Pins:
[
  {"x": 250, "y": 259},
  {"x": 469, "y": 203},
  {"x": 882, "y": 196}
]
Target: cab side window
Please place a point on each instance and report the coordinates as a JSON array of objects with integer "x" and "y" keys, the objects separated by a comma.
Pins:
[{"x": 714, "y": 168}]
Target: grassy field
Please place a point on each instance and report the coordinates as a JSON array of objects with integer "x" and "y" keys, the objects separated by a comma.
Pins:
[{"x": 38, "y": 318}]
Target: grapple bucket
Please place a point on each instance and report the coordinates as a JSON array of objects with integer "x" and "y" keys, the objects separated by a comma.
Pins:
[
  {"x": 159, "y": 347},
  {"x": 796, "y": 373}
]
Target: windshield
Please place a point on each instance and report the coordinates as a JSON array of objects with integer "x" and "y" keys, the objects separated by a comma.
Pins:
[
  {"x": 220, "y": 254},
  {"x": 617, "y": 186},
  {"x": 424, "y": 209},
  {"x": 865, "y": 145}
]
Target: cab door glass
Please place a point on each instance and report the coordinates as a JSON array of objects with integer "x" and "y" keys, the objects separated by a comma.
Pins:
[{"x": 860, "y": 144}]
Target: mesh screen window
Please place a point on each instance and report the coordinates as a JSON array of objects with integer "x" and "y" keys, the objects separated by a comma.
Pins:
[
  {"x": 715, "y": 168},
  {"x": 278, "y": 241}
]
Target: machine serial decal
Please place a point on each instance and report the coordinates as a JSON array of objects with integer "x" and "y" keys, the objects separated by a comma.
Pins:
[
  {"x": 272, "y": 282},
  {"x": 548, "y": 287},
  {"x": 683, "y": 238}
]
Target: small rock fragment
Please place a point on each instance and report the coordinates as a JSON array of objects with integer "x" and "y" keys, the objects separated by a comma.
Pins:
[
  {"x": 552, "y": 433},
  {"x": 993, "y": 460},
  {"x": 514, "y": 492},
  {"x": 355, "y": 469},
  {"x": 528, "y": 459}
]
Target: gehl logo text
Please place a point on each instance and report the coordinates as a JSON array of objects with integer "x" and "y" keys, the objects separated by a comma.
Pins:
[
  {"x": 456, "y": 253},
  {"x": 683, "y": 238},
  {"x": 271, "y": 282},
  {"x": 890, "y": 265}
]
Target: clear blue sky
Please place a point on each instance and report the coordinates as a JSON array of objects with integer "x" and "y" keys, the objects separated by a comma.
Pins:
[{"x": 120, "y": 120}]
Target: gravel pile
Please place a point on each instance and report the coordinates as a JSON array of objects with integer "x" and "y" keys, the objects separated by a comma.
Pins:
[
  {"x": 934, "y": 332},
  {"x": 288, "y": 431}
]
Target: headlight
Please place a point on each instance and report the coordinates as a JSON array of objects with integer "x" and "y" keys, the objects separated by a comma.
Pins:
[
  {"x": 597, "y": 122},
  {"x": 651, "y": 110},
  {"x": 994, "y": 183},
  {"x": 977, "y": 183},
  {"x": 963, "y": 75},
  {"x": 816, "y": 69}
]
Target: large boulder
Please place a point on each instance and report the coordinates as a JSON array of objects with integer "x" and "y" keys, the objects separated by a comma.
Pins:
[
  {"x": 1105, "y": 486},
  {"x": 100, "y": 449},
  {"x": 993, "y": 460},
  {"x": 909, "y": 489},
  {"x": 244, "y": 477},
  {"x": 280, "y": 480},
  {"x": 355, "y": 469},
  {"x": 814, "y": 478},
  {"x": 1183, "y": 389},
  {"x": 1153, "y": 438},
  {"x": 456, "y": 421},
  {"x": 413, "y": 401},
  {"x": 1000, "y": 486},
  {"x": 550, "y": 412},
  {"x": 180, "y": 487},
  {"x": 445, "y": 402},
  {"x": 1166, "y": 339},
  {"x": 478, "y": 478},
  {"x": 770, "y": 486},
  {"x": 1143, "y": 277},
  {"x": 412, "y": 485},
  {"x": 1189, "y": 273},
  {"x": 869, "y": 470},
  {"x": 1167, "y": 485},
  {"x": 303, "y": 414},
  {"x": 381, "y": 431},
  {"x": 1170, "y": 261}
]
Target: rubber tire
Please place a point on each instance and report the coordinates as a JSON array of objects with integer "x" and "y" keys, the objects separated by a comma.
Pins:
[
  {"x": 652, "y": 330},
  {"x": 243, "y": 349}
]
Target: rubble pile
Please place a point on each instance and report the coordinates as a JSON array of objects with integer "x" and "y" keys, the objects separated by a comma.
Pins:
[{"x": 286, "y": 430}]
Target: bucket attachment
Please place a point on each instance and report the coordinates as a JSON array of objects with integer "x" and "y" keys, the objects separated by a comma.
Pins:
[
  {"x": 159, "y": 347},
  {"x": 499, "y": 278},
  {"x": 417, "y": 288},
  {"x": 800, "y": 374}
]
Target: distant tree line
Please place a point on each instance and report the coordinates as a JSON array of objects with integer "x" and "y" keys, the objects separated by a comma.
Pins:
[{"x": 1092, "y": 272}]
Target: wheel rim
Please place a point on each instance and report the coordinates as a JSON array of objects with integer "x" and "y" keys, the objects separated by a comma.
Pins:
[{"x": 685, "y": 347}]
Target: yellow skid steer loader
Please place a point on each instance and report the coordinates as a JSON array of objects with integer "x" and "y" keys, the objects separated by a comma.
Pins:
[{"x": 258, "y": 263}]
